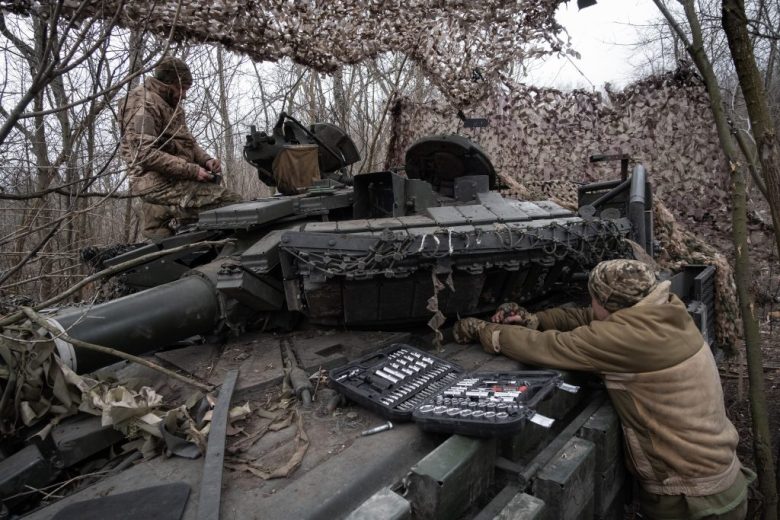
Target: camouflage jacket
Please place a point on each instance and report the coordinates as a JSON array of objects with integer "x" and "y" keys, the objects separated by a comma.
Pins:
[
  {"x": 661, "y": 377},
  {"x": 157, "y": 146}
]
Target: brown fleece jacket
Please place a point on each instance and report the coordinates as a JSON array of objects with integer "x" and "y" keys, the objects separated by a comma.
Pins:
[{"x": 662, "y": 379}]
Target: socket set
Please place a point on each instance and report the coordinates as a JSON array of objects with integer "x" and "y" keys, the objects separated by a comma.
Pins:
[
  {"x": 395, "y": 380},
  {"x": 489, "y": 404},
  {"x": 403, "y": 383}
]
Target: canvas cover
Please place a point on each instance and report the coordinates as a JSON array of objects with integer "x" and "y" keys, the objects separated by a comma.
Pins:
[{"x": 296, "y": 168}]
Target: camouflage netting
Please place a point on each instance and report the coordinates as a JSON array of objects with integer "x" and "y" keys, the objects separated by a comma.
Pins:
[
  {"x": 539, "y": 141},
  {"x": 459, "y": 44},
  {"x": 38, "y": 391},
  {"x": 539, "y": 135}
]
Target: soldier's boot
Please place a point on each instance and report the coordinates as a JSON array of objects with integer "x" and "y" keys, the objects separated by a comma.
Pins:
[
  {"x": 185, "y": 218},
  {"x": 156, "y": 221}
]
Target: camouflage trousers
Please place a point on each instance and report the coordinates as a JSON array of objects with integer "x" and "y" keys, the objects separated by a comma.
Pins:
[
  {"x": 731, "y": 504},
  {"x": 180, "y": 201},
  {"x": 674, "y": 507}
]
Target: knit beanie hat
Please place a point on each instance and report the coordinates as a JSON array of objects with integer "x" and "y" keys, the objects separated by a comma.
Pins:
[
  {"x": 173, "y": 71},
  {"x": 617, "y": 284}
]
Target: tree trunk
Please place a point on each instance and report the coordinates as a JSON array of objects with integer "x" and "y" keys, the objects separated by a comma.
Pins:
[
  {"x": 311, "y": 97},
  {"x": 263, "y": 98},
  {"x": 742, "y": 269},
  {"x": 735, "y": 25},
  {"x": 45, "y": 173},
  {"x": 289, "y": 101},
  {"x": 340, "y": 98},
  {"x": 762, "y": 439},
  {"x": 136, "y": 45},
  {"x": 224, "y": 114}
]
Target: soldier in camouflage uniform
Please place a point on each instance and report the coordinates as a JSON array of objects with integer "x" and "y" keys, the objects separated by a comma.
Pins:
[
  {"x": 661, "y": 377},
  {"x": 173, "y": 175}
]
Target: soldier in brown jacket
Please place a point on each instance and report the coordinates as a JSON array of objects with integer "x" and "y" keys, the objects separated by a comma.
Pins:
[
  {"x": 660, "y": 375},
  {"x": 173, "y": 175}
]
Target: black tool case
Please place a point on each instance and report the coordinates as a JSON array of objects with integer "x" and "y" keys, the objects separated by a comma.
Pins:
[
  {"x": 403, "y": 383},
  {"x": 394, "y": 380}
]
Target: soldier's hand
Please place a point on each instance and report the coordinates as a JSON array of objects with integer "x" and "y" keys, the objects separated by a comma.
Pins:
[
  {"x": 504, "y": 311},
  {"x": 467, "y": 330},
  {"x": 511, "y": 313},
  {"x": 214, "y": 166},
  {"x": 204, "y": 175}
]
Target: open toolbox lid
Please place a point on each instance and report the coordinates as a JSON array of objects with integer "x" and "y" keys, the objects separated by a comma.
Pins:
[{"x": 403, "y": 383}]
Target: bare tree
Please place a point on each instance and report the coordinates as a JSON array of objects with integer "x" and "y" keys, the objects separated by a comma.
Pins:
[
  {"x": 58, "y": 130},
  {"x": 694, "y": 43},
  {"x": 751, "y": 82},
  {"x": 62, "y": 82},
  {"x": 763, "y": 130}
]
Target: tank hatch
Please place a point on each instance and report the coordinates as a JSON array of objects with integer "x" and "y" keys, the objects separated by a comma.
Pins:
[
  {"x": 333, "y": 139},
  {"x": 441, "y": 159},
  {"x": 335, "y": 149}
]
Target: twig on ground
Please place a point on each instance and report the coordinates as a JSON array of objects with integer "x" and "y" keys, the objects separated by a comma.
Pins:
[
  {"x": 317, "y": 385},
  {"x": 57, "y": 485}
]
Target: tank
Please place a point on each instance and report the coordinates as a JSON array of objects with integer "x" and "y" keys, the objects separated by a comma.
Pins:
[
  {"x": 339, "y": 268},
  {"x": 364, "y": 252}
]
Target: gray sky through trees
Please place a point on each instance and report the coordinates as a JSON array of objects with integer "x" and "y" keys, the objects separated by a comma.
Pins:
[{"x": 603, "y": 35}]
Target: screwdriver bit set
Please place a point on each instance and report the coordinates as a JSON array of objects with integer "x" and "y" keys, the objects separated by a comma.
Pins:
[{"x": 403, "y": 383}]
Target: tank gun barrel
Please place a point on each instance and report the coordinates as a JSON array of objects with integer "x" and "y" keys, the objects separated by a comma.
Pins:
[{"x": 139, "y": 322}]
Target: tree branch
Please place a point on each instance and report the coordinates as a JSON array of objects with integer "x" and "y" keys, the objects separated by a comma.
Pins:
[
  {"x": 60, "y": 190},
  {"x": 16, "y": 316},
  {"x": 749, "y": 152},
  {"x": 10, "y": 272}
]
